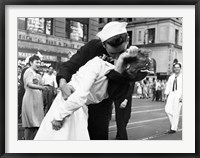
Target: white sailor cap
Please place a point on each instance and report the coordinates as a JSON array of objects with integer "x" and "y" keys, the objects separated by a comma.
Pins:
[
  {"x": 178, "y": 63},
  {"x": 112, "y": 29}
]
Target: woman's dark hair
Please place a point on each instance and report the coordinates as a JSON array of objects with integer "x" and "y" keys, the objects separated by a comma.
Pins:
[
  {"x": 116, "y": 40},
  {"x": 34, "y": 57}
]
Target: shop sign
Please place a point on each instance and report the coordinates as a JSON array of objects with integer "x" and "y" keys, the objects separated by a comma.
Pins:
[
  {"x": 24, "y": 55},
  {"x": 170, "y": 59},
  {"x": 45, "y": 57},
  {"x": 49, "y": 58}
]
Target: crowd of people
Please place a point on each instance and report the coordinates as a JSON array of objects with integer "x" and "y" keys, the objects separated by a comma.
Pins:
[
  {"x": 151, "y": 89},
  {"x": 76, "y": 103}
]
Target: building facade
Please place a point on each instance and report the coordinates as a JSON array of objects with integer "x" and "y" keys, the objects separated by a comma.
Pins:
[
  {"x": 56, "y": 39},
  {"x": 162, "y": 35}
]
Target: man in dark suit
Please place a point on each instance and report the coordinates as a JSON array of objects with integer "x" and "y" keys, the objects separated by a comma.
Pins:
[{"x": 113, "y": 41}]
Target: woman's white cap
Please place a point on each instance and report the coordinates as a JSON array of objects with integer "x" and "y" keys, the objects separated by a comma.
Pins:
[{"x": 112, "y": 29}]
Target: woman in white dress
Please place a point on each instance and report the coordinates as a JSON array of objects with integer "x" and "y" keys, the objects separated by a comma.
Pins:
[
  {"x": 32, "y": 105},
  {"x": 67, "y": 119}
]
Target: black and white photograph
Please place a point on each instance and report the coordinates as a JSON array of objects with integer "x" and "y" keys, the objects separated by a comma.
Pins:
[{"x": 99, "y": 78}]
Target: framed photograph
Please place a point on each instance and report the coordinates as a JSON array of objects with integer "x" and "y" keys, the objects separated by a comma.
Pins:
[{"x": 55, "y": 30}]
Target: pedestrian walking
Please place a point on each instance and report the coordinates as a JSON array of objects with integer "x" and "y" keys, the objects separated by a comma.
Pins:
[
  {"x": 145, "y": 89},
  {"x": 173, "y": 94},
  {"x": 139, "y": 89},
  {"x": 163, "y": 87},
  {"x": 153, "y": 87},
  {"x": 158, "y": 90}
]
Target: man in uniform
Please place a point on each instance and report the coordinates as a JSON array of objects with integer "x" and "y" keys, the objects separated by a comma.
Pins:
[
  {"x": 113, "y": 40},
  {"x": 173, "y": 95}
]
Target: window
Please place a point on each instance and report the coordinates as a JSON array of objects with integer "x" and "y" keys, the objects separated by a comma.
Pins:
[
  {"x": 76, "y": 30},
  {"x": 139, "y": 36},
  {"x": 109, "y": 19},
  {"x": 48, "y": 26},
  {"x": 121, "y": 19},
  {"x": 151, "y": 35},
  {"x": 39, "y": 25},
  {"x": 176, "y": 36},
  {"x": 67, "y": 28},
  {"x": 21, "y": 23},
  {"x": 130, "y": 37},
  {"x": 101, "y": 20},
  {"x": 129, "y": 19}
]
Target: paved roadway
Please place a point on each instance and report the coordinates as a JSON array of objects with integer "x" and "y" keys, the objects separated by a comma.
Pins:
[{"x": 148, "y": 122}]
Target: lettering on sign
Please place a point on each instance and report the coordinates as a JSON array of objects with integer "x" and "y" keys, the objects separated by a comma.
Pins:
[
  {"x": 45, "y": 57},
  {"x": 24, "y": 55}
]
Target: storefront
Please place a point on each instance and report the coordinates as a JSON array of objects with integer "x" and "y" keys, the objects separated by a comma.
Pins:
[{"x": 47, "y": 60}]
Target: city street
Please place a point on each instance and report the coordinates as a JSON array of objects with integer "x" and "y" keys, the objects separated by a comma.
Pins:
[
  {"x": 148, "y": 122},
  {"x": 56, "y": 40}
]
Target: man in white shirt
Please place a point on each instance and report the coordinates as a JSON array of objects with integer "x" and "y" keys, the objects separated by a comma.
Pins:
[
  {"x": 49, "y": 78},
  {"x": 158, "y": 90}
]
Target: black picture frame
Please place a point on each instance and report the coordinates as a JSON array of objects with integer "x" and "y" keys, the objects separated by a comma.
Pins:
[{"x": 4, "y": 3}]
